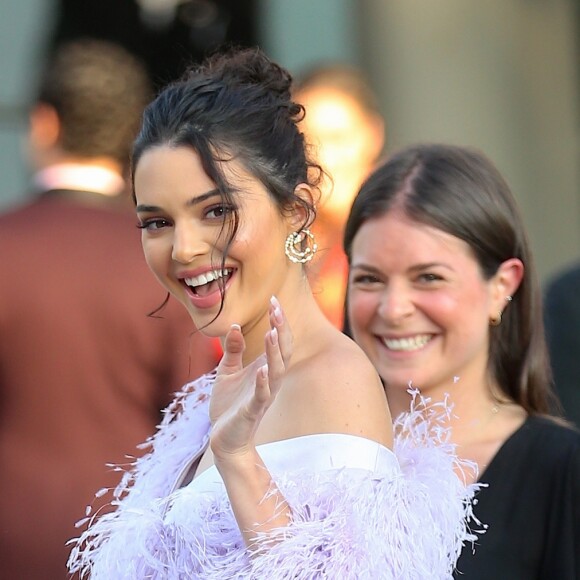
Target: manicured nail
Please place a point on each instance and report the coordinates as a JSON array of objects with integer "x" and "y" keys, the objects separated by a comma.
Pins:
[
  {"x": 274, "y": 336},
  {"x": 236, "y": 327},
  {"x": 277, "y": 312}
]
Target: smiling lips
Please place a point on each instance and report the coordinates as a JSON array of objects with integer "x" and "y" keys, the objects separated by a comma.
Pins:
[
  {"x": 407, "y": 344},
  {"x": 202, "y": 284},
  {"x": 205, "y": 289}
]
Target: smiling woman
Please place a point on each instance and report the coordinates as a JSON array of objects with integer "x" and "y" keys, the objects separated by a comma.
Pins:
[
  {"x": 280, "y": 464},
  {"x": 443, "y": 295},
  {"x": 187, "y": 235}
]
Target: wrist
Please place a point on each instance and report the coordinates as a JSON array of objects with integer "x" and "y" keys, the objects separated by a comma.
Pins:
[{"x": 240, "y": 460}]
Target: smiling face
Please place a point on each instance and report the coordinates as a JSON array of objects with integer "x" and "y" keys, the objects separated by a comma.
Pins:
[
  {"x": 419, "y": 306},
  {"x": 185, "y": 224}
]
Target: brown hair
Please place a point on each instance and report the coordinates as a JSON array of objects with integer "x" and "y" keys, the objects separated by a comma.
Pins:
[
  {"x": 99, "y": 91},
  {"x": 459, "y": 191}
]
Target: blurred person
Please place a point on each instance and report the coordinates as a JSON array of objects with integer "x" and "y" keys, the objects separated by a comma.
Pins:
[
  {"x": 443, "y": 296},
  {"x": 84, "y": 371},
  {"x": 347, "y": 133},
  {"x": 562, "y": 318}
]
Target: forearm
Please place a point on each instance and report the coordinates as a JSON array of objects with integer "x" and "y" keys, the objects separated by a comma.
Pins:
[{"x": 256, "y": 501}]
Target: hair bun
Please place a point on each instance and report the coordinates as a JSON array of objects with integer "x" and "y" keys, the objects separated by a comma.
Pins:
[{"x": 250, "y": 66}]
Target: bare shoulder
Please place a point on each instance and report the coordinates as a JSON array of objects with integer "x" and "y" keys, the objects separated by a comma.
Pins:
[
  {"x": 342, "y": 362},
  {"x": 335, "y": 389}
]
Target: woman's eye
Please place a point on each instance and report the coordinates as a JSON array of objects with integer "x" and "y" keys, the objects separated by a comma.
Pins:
[
  {"x": 153, "y": 224},
  {"x": 365, "y": 279},
  {"x": 218, "y": 211},
  {"x": 429, "y": 277}
]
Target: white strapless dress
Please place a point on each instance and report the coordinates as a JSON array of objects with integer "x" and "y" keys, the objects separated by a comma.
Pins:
[{"x": 359, "y": 510}]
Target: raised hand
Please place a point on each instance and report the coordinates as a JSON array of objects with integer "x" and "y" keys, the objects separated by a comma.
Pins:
[{"x": 241, "y": 395}]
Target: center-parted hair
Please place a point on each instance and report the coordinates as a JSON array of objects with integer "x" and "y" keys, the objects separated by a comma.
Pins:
[{"x": 459, "y": 191}]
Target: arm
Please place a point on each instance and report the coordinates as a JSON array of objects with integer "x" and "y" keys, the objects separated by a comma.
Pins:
[
  {"x": 258, "y": 505},
  {"x": 240, "y": 398}
]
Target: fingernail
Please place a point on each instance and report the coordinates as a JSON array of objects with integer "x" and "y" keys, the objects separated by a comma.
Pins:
[
  {"x": 264, "y": 371},
  {"x": 274, "y": 301},
  {"x": 274, "y": 336},
  {"x": 236, "y": 327},
  {"x": 278, "y": 316}
]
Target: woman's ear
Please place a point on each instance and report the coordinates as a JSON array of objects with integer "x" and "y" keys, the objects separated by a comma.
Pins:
[
  {"x": 304, "y": 211},
  {"x": 504, "y": 284}
]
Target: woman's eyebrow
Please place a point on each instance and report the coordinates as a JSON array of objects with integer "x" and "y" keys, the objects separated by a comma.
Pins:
[{"x": 191, "y": 202}]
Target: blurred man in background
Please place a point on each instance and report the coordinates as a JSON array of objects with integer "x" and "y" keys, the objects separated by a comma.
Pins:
[
  {"x": 84, "y": 372},
  {"x": 562, "y": 318},
  {"x": 347, "y": 133}
]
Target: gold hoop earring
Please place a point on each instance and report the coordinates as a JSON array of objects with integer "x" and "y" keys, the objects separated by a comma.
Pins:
[
  {"x": 496, "y": 320},
  {"x": 294, "y": 243}
]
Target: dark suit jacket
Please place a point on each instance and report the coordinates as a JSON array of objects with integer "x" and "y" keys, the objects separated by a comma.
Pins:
[
  {"x": 83, "y": 371},
  {"x": 562, "y": 318}
]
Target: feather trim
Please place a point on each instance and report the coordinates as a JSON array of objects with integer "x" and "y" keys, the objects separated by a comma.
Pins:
[{"x": 408, "y": 524}]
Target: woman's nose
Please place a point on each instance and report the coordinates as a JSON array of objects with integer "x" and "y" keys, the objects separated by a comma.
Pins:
[
  {"x": 396, "y": 304},
  {"x": 187, "y": 244}
]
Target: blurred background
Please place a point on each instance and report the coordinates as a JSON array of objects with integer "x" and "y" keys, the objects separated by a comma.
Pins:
[{"x": 500, "y": 75}]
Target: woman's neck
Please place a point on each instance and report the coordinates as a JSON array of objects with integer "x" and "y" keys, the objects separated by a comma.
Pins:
[{"x": 300, "y": 311}]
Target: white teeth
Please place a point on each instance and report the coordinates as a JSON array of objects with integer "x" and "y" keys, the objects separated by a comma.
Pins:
[
  {"x": 410, "y": 343},
  {"x": 207, "y": 277}
]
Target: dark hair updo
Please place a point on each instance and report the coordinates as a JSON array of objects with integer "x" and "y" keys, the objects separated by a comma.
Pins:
[{"x": 236, "y": 105}]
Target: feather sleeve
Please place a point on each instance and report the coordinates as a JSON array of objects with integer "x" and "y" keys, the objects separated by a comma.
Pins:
[{"x": 358, "y": 512}]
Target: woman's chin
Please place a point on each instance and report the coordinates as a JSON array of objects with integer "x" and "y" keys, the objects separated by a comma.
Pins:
[{"x": 211, "y": 329}]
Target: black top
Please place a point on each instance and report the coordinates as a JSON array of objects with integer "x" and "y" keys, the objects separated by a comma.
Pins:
[{"x": 532, "y": 508}]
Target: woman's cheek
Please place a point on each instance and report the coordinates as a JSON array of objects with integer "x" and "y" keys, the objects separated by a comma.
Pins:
[{"x": 361, "y": 307}]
